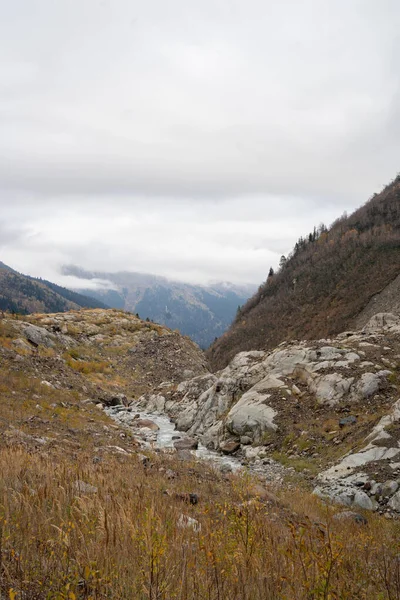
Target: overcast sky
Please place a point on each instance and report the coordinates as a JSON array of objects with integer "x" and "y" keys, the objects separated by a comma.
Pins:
[{"x": 196, "y": 139}]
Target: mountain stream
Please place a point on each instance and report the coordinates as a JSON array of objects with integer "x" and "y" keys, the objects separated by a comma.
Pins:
[{"x": 166, "y": 435}]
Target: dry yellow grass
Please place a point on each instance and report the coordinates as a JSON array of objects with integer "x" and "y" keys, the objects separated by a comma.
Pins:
[
  {"x": 125, "y": 540},
  {"x": 129, "y": 538}
]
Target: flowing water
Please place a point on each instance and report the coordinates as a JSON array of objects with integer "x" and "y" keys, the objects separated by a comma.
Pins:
[{"x": 163, "y": 438}]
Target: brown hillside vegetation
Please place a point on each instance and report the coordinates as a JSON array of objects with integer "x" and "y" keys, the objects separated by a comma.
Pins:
[
  {"x": 84, "y": 515},
  {"x": 23, "y": 294},
  {"x": 324, "y": 284}
]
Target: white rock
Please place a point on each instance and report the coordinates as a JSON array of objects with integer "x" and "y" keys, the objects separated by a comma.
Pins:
[
  {"x": 252, "y": 453},
  {"x": 394, "y": 502},
  {"x": 330, "y": 353},
  {"x": 351, "y": 357},
  {"x": 84, "y": 488},
  {"x": 330, "y": 389},
  {"x": 362, "y": 500},
  {"x": 389, "y": 488},
  {"x": 378, "y": 431},
  {"x": 251, "y": 416},
  {"x": 382, "y": 322},
  {"x": 352, "y": 461},
  {"x": 187, "y": 417},
  {"x": 284, "y": 362},
  {"x": 186, "y": 522},
  {"x": 156, "y": 403},
  {"x": 47, "y": 384},
  {"x": 370, "y": 383}
]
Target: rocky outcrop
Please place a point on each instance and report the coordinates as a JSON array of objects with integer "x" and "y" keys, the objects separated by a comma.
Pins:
[
  {"x": 241, "y": 399},
  {"x": 141, "y": 354},
  {"x": 329, "y": 408},
  {"x": 341, "y": 481},
  {"x": 260, "y": 396}
]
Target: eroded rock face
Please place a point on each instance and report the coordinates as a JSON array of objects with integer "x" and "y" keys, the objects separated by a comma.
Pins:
[
  {"x": 244, "y": 399},
  {"x": 252, "y": 416},
  {"x": 339, "y": 482},
  {"x": 242, "y": 406},
  {"x": 382, "y": 322}
]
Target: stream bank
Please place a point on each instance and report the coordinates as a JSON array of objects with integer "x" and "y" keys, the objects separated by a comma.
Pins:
[{"x": 162, "y": 435}]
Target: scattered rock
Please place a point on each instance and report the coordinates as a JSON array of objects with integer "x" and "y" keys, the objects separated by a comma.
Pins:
[
  {"x": 47, "y": 384},
  {"x": 22, "y": 345},
  {"x": 389, "y": 488},
  {"x": 369, "y": 384},
  {"x": 225, "y": 468},
  {"x": 146, "y": 423},
  {"x": 38, "y": 336},
  {"x": 362, "y": 500},
  {"x": 84, "y": 488},
  {"x": 186, "y": 522},
  {"x": 330, "y": 389},
  {"x": 184, "y": 455},
  {"x": 350, "y": 420},
  {"x": 142, "y": 458},
  {"x": 186, "y": 444},
  {"x": 349, "y": 515},
  {"x": 394, "y": 502},
  {"x": 229, "y": 447},
  {"x": 245, "y": 440},
  {"x": 252, "y": 416}
]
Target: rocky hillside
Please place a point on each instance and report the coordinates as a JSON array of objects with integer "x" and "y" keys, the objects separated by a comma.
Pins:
[
  {"x": 107, "y": 350},
  {"x": 201, "y": 312},
  {"x": 329, "y": 409},
  {"x": 388, "y": 300},
  {"x": 24, "y": 295},
  {"x": 322, "y": 288},
  {"x": 110, "y": 514}
]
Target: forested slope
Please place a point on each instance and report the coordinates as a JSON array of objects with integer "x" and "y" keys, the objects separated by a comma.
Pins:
[
  {"x": 325, "y": 282},
  {"x": 23, "y": 294}
]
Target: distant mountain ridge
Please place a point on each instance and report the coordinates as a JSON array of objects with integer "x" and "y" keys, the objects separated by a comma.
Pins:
[
  {"x": 333, "y": 280},
  {"x": 24, "y": 294},
  {"x": 201, "y": 312}
]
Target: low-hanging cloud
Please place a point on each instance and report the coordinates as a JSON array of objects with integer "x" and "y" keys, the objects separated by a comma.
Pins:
[{"x": 193, "y": 140}]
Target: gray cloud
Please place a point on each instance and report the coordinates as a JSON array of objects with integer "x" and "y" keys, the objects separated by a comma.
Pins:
[{"x": 193, "y": 140}]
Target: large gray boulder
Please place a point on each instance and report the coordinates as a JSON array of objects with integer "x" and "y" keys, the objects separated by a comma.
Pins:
[
  {"x": 362, "y": 500},
  {"x": 251, "y": 416},
  {"x": 38, "y": 336},
  {"x": 330, "y": 389},
  {"x": 370, "y": 383}
]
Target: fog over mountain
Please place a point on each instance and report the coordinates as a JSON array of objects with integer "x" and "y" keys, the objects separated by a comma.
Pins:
[
  {"x": 201, "y": 312},
  {"x": 191, "y": 140}
]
